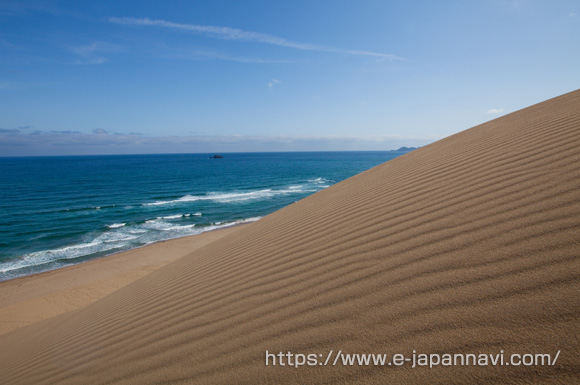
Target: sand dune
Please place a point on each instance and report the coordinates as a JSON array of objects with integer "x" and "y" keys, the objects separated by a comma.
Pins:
[{"x": 471, "y": 244}]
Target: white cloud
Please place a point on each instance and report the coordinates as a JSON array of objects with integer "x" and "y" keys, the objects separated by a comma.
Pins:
[
  {"x": 572, "y": 14},
  {"x": 273, "y": 82},
  {"x": 240, "y": 59},
  {"x": 227, "y": 33},
  {"x": 495, "y": 111},
  {"x": 93, "y": 53}
]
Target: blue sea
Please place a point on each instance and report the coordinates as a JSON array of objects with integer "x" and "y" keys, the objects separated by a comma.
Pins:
[{"x": 59, "y": 211}]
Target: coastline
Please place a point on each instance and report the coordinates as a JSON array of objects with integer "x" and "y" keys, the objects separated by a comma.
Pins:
[
  {"x": 465, "y": 247},
  {"x": 54, "y": 225},
  {"x": 26, "y": 300}
]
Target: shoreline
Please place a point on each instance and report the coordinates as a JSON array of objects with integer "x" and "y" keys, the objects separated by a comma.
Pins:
[
  {"x": 220, "y": 227},
  {"x": 31, "y": 298}
]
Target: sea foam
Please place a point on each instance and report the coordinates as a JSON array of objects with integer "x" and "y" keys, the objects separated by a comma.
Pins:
[{"x": 231, "y": 197}]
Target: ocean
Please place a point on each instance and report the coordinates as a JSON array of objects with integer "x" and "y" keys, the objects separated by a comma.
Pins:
[{"x": 59, "y": 211}]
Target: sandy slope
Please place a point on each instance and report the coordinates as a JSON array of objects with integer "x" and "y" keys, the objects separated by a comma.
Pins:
[
  {"x": 29, "y": 299},
  {"x": 470, "y": 244}
]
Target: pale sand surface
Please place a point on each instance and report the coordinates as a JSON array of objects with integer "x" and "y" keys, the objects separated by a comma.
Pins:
[
  {"x": 33, "y": 298},
  {"x": 468, "y": 245}
]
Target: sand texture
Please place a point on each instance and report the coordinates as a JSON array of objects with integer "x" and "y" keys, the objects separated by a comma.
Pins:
[
  {"x": 33, "y": 298},
  {"x": 470, "y": 244}
]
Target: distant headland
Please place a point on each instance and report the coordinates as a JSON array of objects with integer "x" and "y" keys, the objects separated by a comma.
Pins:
[{"x": 405, "y": 149}]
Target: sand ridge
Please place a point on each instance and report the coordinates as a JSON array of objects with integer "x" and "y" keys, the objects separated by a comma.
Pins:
[{"x": 470, "y": 244}]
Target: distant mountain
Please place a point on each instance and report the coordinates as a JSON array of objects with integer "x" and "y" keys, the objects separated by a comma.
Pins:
[{"x": 405, "y": 149}]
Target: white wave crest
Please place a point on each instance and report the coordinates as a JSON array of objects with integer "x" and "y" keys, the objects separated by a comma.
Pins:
[
  {"x": 172, "y": 216},
  {"x": 226, "y": 197},
  {"x": 119, "y": 238},
  {"x": 48, "y": 256}
]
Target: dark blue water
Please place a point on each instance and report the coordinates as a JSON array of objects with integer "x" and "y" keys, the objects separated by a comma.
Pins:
[{"x": 57, "y": 211}]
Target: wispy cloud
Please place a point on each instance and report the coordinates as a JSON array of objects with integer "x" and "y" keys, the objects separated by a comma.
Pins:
[
  {"x": 495, "y": 111},
  {"x": 572, "y": 14},
  {"x": 9, "y": 131},
  {"x": 227, "y": 33},
  {"x": 239, "y": 59},
  {"x": 93, "y": 53},
  {"x": 16, "y": 8},
  {"x": 18, "y": 130},
  {"x": 273, "y": 82},
  {"x": 65, "y": 132}
]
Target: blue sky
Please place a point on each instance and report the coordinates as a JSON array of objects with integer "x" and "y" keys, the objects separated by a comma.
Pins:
[{"x": 112, "y": 77}]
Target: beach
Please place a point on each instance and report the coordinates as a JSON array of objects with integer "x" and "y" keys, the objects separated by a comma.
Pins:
[
  {"x": 29, "y": 299},
  {"x": 469, "y": 245}
]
